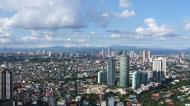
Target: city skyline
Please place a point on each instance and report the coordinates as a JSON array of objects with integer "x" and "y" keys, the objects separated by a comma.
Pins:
[
  {"x": 106, "y": 77},
  {"x": 99, "y": 23}
]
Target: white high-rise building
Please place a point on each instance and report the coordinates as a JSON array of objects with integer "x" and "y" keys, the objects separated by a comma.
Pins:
[
  {"x": 159, "y": 64},
  {"x": 135, "y": 80},
  {"x": 156, "y": 65},
  {"x": 99, "y": 77},
  {"x": 146, "y": 56}
]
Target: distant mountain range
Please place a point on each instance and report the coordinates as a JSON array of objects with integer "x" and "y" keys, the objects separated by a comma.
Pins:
[{"x": 89, "y": 49}]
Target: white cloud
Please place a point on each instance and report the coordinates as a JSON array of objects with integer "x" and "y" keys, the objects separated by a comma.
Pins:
[
  {"x": 126, "y": 14},
  {"x": 93, "y": 33},
  {"x": 73, "y": 40},
  {"x": 105, "y": 14},
  {"x": 48, "y": 37},
  {"x": 48, "y": 15},
  {"x": 154, "y": 29},
  {"x": 44, "y": 14},
  {"x": 125, "y": 34},
  {"x": 4, "y": 40},
  {"x": 82, "y": 40},
  {"x": 68, "y": 39},
  {"x": 35, "y": 36},
  {"x": 5, "y": 32},
  {"x": 105, "y": 17},
  {"x": 55, "y": 14},
  {"x": 124, "y": 3},
  {"x": 187, "y": 26},
  {"x": 115, "y": 35}
]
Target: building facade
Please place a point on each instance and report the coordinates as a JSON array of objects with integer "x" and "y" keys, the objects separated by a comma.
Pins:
[
  {"x": 102, "y": 77},
  {"x": 6, "y": 90},
  {"x": 146, "y": 56},
  {"x": 111, "y": 72},
  {"x": 138, "y": 78},
  {"x": 159, "y": 64},
  {"x": 124, "y": 71}
]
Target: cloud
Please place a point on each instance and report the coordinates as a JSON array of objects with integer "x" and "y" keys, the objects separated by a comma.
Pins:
[
  {"x": 187, "y": 26},
  {"x": 48, "y": 37},
  {"x": 126, "y": 14},
  {"x": 35, "y": 36},
  {"x": 100, "y": 18},
  {"x": 4, "y": 40},
  {"x": 93, "y": 33},
  {"x": 70, "y": 42},
  {"x": 57, "y": 14},
  {"x": 38, "y": 16},
  {"x": 124, "y": 3},
  {"x": 5, "y": 32},
  {"x": 154, "y": 29},
  {"x": 124, "y": 34},
  {"x": 116, "y": 35},
  {"x": 44, "y": 14},
  {"x": 74, "y": 37},
  {"x": 104, "y": 18}
]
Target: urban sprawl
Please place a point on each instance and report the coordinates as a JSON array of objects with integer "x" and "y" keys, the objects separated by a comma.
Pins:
[{"x": 103, "y": 78}]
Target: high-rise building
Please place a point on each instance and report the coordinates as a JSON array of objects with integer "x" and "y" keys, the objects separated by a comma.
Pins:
[
  {"x": 156, "y": 65},
  {"x": 159, "y": 64},
  {"x": 144, "y": 77},
  {"x": 111, "y": 72},
  {"x": 102, "y": 77},
  {"x": 158, "y": 76},
  {"x": 138, "y": 78},
  {"x": 135, "y": 80},
  {"x": 182, "y": 55},
  {"x": 5, "y": 87},
  {"x": 146, "y": 56},
  {"x": 124, "y": 71},
  {"x": 150, "y": 76},
  {"x": 164, "y": 65}
]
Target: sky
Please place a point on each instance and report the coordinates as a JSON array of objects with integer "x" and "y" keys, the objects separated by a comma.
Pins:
[{"x": 95, "y": 23}]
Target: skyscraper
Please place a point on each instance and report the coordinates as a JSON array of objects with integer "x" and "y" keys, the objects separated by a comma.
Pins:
[
  {"x": 146, "y": 56},
  {"x": 138, "y": 78},
  {"x": 157, "y": 76},
  {"x": 124, "y": 71},
  {"x": 156, "y": 65},
  {"x": 163, "y": 64},
  {"x": 5, "y": 87},
  {"x": 102, "y": 77},
  {"x": 111, "y": 77},
  {"x": 159, "y": 64},
  {"x": 144, "y": 77},
  {"x": 182, "y": 54},
  {"x": 135, "y": 80}
]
